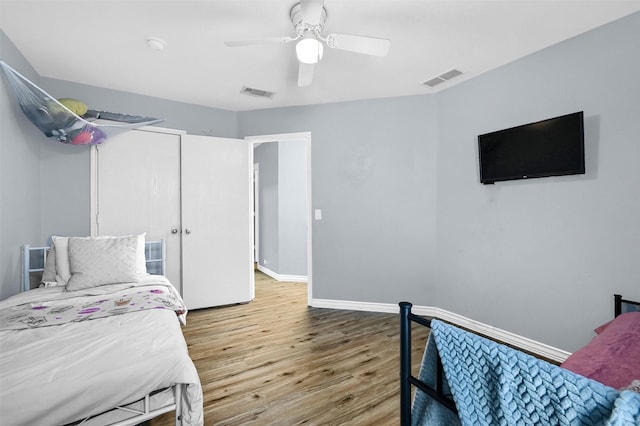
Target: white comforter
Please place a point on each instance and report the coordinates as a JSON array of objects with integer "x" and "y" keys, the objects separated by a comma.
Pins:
[{"x": 54, "y": 375}]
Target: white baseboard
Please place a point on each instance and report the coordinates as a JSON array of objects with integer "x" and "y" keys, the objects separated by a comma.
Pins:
[
  {"x": 508, "y": 337},
  {"x": 279, "y": 277}
]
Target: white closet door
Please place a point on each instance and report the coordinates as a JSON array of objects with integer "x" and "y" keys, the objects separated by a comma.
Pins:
[
  {"x": 138, "y": 190},
  {"x": 217, "y": 258}
]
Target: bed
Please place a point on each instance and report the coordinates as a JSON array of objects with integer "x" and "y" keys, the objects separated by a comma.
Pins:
[
  {"x": 469, "y": 379},
  {"x": 99, "y": 340}
]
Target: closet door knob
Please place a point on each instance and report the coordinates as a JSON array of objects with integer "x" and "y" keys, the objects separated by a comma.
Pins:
[
  {"x": 187, "y": 231},
  {"x": 174, "y": 230}
]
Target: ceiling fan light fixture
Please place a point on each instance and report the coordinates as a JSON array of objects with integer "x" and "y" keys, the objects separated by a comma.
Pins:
[{"x": 309, "y": 50}]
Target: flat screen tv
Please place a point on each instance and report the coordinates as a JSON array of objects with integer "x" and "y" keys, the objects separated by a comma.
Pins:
[{"x": 552, "y": 147}]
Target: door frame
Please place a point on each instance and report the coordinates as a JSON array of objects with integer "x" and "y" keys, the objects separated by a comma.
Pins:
[
  {"x": 306, "y": 138},
  {"x": 256, "y": 208}
]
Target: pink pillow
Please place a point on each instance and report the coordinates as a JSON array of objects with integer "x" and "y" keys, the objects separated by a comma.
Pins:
[
  {"x": 602, "y": 327},
  {"x": 612, "y": 356}
]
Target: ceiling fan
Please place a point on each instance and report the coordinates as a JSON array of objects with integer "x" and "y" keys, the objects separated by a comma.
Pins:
[{"x": 308, "y": 18}]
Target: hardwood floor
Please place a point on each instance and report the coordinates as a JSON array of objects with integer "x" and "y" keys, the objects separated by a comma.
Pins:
[{"x": 276, "y": 361}]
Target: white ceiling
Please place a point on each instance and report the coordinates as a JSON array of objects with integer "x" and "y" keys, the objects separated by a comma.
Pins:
[{"x": 102, "y": 43}]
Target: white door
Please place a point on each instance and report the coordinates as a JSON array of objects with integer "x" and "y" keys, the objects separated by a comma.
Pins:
[
  {"x": 137, "y": 190},
  {"x": 217, "y": 221}
]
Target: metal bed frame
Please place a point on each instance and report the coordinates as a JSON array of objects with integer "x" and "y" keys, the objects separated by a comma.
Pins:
[
  {"x": 35, "y": 258},
  {"x": 619, "y": 302},
  {"x": 145, "y": 413},
  {"x": 407, "y": 380},
  {"x": 33, "y": 263}
]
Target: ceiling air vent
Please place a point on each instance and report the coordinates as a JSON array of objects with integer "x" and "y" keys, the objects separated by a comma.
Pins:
[
  {"x": 257, "y": 92},
  {"x": 442, "y": 78}
]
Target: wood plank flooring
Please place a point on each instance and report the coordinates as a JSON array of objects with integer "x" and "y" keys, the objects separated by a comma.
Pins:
[{"x": 276, "y": 361}]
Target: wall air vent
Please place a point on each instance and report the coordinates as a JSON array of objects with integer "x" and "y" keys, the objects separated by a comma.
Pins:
[
  {"x": 257, "y": 92},
  {"x": 442, "y": 78}
]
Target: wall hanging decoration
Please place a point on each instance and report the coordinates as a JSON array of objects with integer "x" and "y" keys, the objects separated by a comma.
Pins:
[{"x": 68, "y": 120}]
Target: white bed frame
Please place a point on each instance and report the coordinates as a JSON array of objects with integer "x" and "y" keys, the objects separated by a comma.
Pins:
[
  {"x": 34, "y": 259},
  {"x": 33, "y": 262},
  {"x": 140, "y": 414}
]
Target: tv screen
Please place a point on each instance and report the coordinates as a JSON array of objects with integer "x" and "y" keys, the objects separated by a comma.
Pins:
[{"x": 552, "y": 147}]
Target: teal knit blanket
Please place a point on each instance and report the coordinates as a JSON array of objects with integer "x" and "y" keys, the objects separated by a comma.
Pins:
[{"x": 493, "y": 384}]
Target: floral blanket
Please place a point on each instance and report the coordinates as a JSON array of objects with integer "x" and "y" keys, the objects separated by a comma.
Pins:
[{"x": 62, "y": 311}]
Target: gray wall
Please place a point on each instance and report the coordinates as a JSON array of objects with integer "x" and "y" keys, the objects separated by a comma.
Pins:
[
  {"x": 266, "y": 155},
  {"x": 282, "y": 206},
  {"x": 292, "y": 205},
  {"x": 546, "y": 254},
  {"x": 374, "y": 177},
  {"x": 20, "y": 175}
]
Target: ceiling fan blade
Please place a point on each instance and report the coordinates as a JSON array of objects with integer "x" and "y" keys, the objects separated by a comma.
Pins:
[
  {"x": 311, "y": 11},
  {"x": 262, "y": 40},
  {"x": 305, "y": 74},
  {"x": 359, "y": 44}
]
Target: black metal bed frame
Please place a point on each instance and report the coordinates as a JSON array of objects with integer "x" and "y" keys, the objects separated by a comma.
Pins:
[
  {"x": 619, "y": 301},
  {"x": 407, "y": 379}
]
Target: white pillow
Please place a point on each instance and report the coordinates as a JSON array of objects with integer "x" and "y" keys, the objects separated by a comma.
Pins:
[
  {"x": 96, "y": 261},
  {"x": 60, "y": 247},
  {"x": 63, "y": 272}
]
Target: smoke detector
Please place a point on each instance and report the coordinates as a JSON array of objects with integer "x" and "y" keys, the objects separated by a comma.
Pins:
[{"x": 155, "y": 43}]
